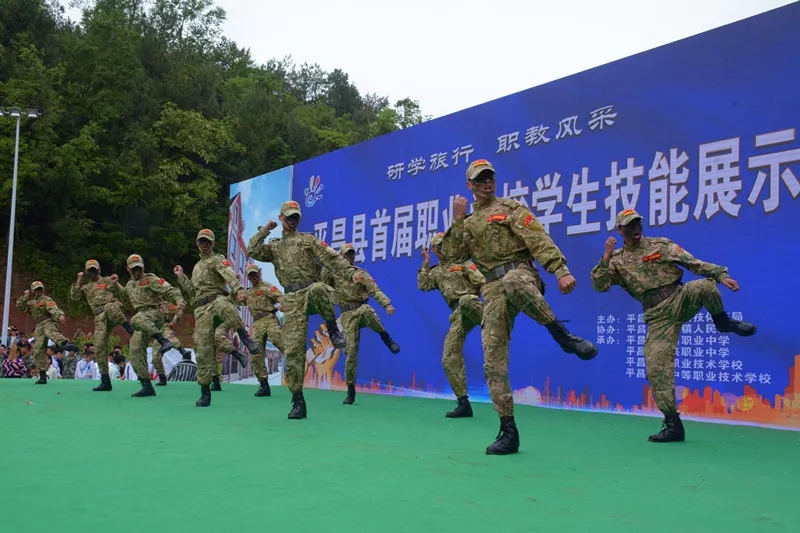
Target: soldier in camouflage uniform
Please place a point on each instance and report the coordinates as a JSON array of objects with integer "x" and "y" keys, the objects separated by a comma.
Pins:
[
  {"x": 459, "y": 284},
  {"x": 262, "y": 299},
  {"x": 105, "y": 297},
  {"x": 69, "y": 363},
  {"x": 146, "y": 293},
  {"x": 647, "y": 268},
  {"x": 356, "y": 313},
  {"x": 208, "y": 292},
  {"x": 298, "y": 259},
  {"x": 504, "y": 238},
  {"x": 48, "y": 317},
  {"x": 172, "y": 314}
]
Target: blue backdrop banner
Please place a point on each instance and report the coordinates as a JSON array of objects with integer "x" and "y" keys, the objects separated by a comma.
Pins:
[{"x": 699, "y": 136}]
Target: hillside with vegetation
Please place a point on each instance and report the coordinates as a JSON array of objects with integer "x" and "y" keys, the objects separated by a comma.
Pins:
[{"x": 149, "y": 113}]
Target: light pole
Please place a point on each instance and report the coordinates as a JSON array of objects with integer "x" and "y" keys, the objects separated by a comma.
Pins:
[{"x": 17, "y": 113}]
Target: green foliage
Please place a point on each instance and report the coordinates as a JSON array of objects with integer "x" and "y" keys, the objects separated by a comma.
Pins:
[{"x": 149, "y": 114}]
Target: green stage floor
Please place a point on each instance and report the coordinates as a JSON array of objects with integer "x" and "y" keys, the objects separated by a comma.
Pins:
[{"x": 80, "y": 461}]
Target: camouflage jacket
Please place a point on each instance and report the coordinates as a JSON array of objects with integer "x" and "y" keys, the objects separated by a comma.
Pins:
[
  {"x": 650, "y": 266},
  {"x": 298, "y": 257},
  {"x": 210, "y": 277},
  {"x": 347, "y": 291},
  {"x": 502, "y": 231},
  {"x": 150, "y": 292},
  {"x": 452, "y": 280},
  {"x": 263, "y": 298},
  {"x": 41, "y": 308}
]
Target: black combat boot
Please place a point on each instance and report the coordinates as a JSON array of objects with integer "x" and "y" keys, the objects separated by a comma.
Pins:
[
  {"x": 166, "y": 344},
  {"x": 162, "y": 380},
  {"x": 252, "y": 345},
  {"x": 147, "y": 389},
  {"x": 215, "y": 384},
  {"x": 298, "y": 406},
  {"x": 724, "y": 324},
  {"x": 507, "y": 440},
  {"x": 184, "y": 352},
  {"x": 570, "y": 343},
  {"x": 127, "y": 327},
  {"x": 389, "y": 342},
  {"x": 335, "y": 335},
  {"x": 239, "y": 357},
  {"x": 264, "y": 390},
  {"x": 464, "y": 409},
  {"x": 105, "y": 383},
  {"x": 351, "y": 394},
  {"x": 42, "y": 379},
  {"x": 671, "y": 430},
  {"x": 205, "y": 396}
]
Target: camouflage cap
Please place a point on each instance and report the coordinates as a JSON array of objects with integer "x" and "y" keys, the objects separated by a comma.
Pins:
[
  {"x": 135, "y": 261},
  {"x": 290, "y": 208},
  {"x": 478, "y": 166},
  {"x": 252, "y": 267},
  {"x": 37, "y": 285},
  {"x": 90, "y": 264},
  {"x": 347, "y": 248},
  {"x": 626, "y": 217},
  {"x": 207, "y": 234},
  {"x": 437, "y": 239}
]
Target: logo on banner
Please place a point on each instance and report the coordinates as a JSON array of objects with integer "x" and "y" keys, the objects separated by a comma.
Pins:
[{"x": 314, "y": 191}]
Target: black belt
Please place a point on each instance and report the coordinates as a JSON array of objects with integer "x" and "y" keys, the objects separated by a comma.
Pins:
[
  {"x": 653, "y": 299},
  {"x": 349, "y": 307},
  {"x": 259, "y": 316},
  {"x": 207, "y": 299},
  {"x": 502, "y": 270},
  {"x": 300, "y": 285},
  {"x": 99, "y": 310}
]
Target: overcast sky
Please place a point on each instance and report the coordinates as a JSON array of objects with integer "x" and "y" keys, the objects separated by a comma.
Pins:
[{"x": 454, "y": 54}]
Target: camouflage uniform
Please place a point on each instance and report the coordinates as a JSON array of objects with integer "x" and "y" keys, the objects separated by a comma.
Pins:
[
  {"x": 356, "y": 313},
  {"x": 70, "y": 364},
  {"x": 298, "y": 259},
  {"x": 649, "y": 272},
  {"x": 459, "y": 284},
  {"x": 172, "y": 314},
  {"x": 503, "y": 238},
  {"x": 146, "y": 295},
  {"x": 47, "y": 315},
  {"x": 207, "y": 289},
  {"x": 105, "y": 297},
  {"x": 261, "y": 300}
]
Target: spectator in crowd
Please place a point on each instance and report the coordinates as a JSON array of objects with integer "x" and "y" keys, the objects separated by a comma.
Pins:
[
  {"x": 186, "y": 370},
  {"x": 25, "y": 353},
  {"x": 125, "y": 368},
  {"x": 13, "y": 366},
  {"x": 87, "y": 367}
]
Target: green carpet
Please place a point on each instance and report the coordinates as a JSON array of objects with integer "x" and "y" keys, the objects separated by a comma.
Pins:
[{"x": 77, "y": 460}]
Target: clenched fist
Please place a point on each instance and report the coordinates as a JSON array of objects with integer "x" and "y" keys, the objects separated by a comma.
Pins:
[
  {"x": 178, "y": 270},
  {"x": 460, "y": 207},
  {"x": 610, "y": 243}
]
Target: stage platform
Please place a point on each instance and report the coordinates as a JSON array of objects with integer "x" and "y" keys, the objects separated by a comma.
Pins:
[{"x": 75, "y": 460}]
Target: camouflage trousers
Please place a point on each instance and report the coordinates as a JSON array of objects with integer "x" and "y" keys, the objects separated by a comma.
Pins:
[
  {"x": 664, "y": 323},
  {"x": 46, "y": 329},
  {"x": 206, "y": 319},
  {"x": 158, "y": 357},
  {"x": 265, "y": 328},
  {"x": 111, "y": 317},
  {"x": 521, "y": 290},
  {"x": 145, "y": 324},
  {"x": 463, "y": 319},
  {"x": 298, "y": 306},
  {"x": 223, "y": 344},
  {"x": 352, "y": 322}
]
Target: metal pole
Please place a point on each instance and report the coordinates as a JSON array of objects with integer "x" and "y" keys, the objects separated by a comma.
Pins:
[{"x": 9, "y": 262}]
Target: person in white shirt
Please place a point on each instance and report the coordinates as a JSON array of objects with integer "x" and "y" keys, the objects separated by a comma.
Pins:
[{"x": 87, "y": 367}]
